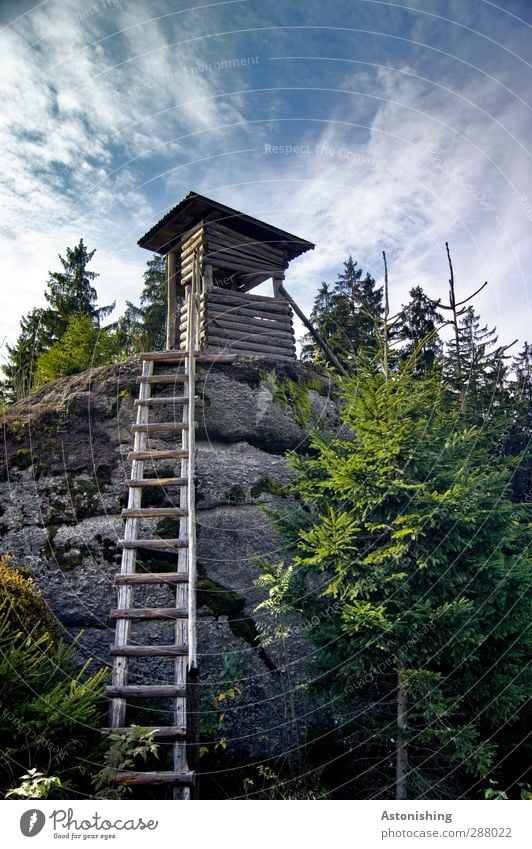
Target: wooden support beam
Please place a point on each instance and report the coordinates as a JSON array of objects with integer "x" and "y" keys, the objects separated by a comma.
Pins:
[
  {"x": 171, "y": 317},
  {"x": 313, "y": 332}
]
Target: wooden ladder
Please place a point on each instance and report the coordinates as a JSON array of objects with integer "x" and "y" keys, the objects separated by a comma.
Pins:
[{"x": 183, "y": 580}]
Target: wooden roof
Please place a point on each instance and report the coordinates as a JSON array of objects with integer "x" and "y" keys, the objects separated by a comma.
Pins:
[{"x": 195, "y": 208}]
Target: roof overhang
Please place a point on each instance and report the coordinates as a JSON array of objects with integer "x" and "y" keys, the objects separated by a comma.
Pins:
[{"x": 194, "y": 208}]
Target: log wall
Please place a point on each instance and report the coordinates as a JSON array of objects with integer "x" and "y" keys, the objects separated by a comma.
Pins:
[{"x": 249, "y": 325}]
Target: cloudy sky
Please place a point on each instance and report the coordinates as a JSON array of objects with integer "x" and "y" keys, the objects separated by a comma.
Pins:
[{"x": 361, "y": 125}]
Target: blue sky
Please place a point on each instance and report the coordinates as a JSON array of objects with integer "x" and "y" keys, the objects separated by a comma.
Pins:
[{"x": 412, "y": 121}]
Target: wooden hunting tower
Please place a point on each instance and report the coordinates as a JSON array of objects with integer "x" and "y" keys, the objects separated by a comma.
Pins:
[{"x": 231, "y": 253}]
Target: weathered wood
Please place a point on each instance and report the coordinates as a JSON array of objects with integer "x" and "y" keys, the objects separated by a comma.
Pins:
[
  {"x": 144, "y": 691},
  {"x": 251, "y": 346},
  {"x": 258, "y": 299},
  {"x": 117, "y": 708},
  {"x": 243, "y": 312},
  {"x": 142, "y": 482},
  {"x": 157, "y": 454},
  {"x": 285, "y": 341},
  {"x": 225, "y": 328},
  {"x": 226, "y": 298},
  {"x": 242, "y": 324},
  {"x": 149, "y": 651},
  {"x": 184, "y": 778},
  {"x": 216, "y": 247},
  {"x": 152, "y": 427},
  {"x": 276, "y": 322},
  {"x": 164, "y": 356},
  {"x": 221, "y": 232},
  {"x": 163, "y": 399},
  {"x": 151, "y": 512},
  {"x": 171, "y": 289},
  {"x": 164, "y": 378},
  {"x": 314, "y": 333},
  {"x": 155, "y": 544},
  {"x": 162, "y": 732},
  {"x": 149, "y": 613},
  {"x": 242, "y": 354},
  {"x": 152, "y": 578}
]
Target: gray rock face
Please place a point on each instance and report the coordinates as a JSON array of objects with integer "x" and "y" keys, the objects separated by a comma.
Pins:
[{"x": 62, "y": 487}]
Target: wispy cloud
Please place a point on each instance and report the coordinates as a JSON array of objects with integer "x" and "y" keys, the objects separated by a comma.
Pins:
[{"x": 412, "y": 130}]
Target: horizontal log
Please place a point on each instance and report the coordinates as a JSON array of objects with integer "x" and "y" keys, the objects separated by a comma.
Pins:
[
  {"x": 153, "y": 544},
  {"x": 259, "y": 328},
  {"x": 216, "y": 247},
  {"x": 220, "y": 260},
  {"x": 170, "y": 732},
  {"x": 164, "y": 356},
  {"x": 159, "y": 454},
  {"x": 163, "y": 378},
  {"x": 221, "y": 231},
  {"x": 181, "y": 778},
  {"x": 250, "y": 310},
  {"x": 240, "y": 296},
  {"x": 151, "y": 578},
  {"x": 284, "y": 358},
  {"x": 152, "y": 427},
  {"x": 258, "y": 318},
  {"x": 148, "y": 651},
  {"x": 162, "y": 399},
  {"x": 142, "y": 482},
  {"x": 145, "y": 691},
  {"x": 285, "y": 341},
  {"x": 250, "y": 346},
  {"x": 153, "y": 512},
  {"x": 150, "y": 613}
]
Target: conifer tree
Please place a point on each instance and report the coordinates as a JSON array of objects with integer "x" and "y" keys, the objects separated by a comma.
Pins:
[
  {"x": 417, "y": 324},
  {"x": 348, "y": 315},
  {"x": 419, "y": 549}
]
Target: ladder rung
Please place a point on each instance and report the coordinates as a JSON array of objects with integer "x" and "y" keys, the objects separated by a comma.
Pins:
[
  {"x": 141, "y": 482},
  {"x": 151, "y": 512},
  {"x": 169, "y": 399},
  {"x": 154, "y": 426},
  {"x": 183, "y": 778},
  {"x": 152, "y": 578},
  {"x": 178, "y": 377},
  {"x": 165, "y": 356},
  {"x": 170, "y": 732},
  {"x": 148, "y": 651},
  {"x": 146, "y": 691},
  {"x": 150, "y": 613},
  {"x": 155, "y": 544},
  {"x": 180, "y": 356},
  {"x": 155, "y": 454}
]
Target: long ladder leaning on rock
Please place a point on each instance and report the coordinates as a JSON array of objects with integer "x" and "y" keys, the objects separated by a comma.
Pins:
[{"x": 183, "y": 651}]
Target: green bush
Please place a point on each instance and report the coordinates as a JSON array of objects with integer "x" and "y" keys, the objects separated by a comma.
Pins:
[{"x": 50, "y": 713}]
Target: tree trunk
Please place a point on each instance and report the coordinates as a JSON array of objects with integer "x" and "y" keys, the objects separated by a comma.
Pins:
[{"x": 401, "y": 762}]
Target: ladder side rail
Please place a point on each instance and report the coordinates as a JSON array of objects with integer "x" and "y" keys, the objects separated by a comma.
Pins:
[
  {"x": 117, "y": 707},
  {"x": 193, "y": 346}
]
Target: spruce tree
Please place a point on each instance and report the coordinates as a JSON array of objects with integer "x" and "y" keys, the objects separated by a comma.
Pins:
[
  {"x": 419, "y": 552},
  {"x": 417, "y": 325},
  {"x": 348, "y": 316}
]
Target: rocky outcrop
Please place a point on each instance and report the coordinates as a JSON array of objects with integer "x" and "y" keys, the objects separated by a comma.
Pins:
[{"x": 62, "y": 487}]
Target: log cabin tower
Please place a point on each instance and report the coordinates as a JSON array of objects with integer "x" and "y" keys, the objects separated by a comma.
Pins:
[{"x": 233, "y": 253}]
